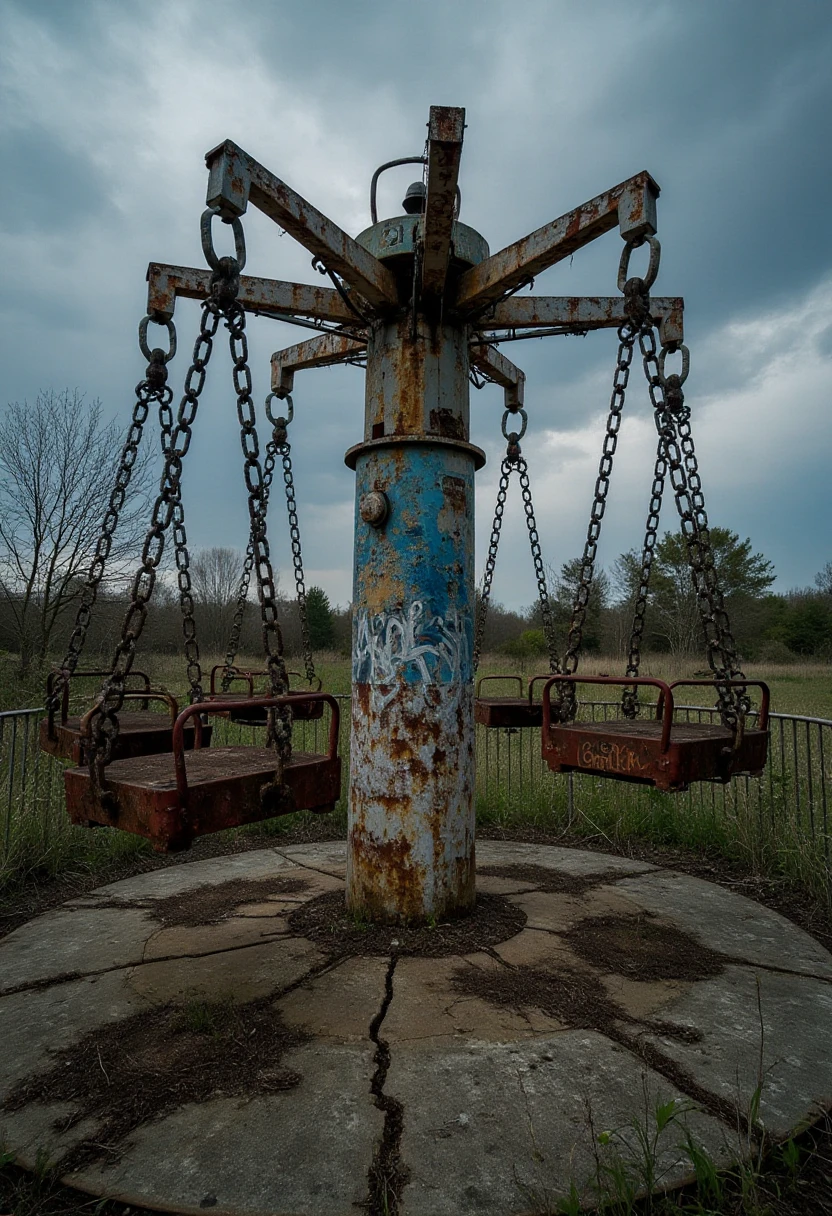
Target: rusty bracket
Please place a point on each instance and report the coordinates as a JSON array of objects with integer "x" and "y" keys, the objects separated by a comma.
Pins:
[
  {"x": 235, "y": 179},
  {"x": 499, "y": 370},
  {"x": 577, "y": 314},
  {"x": 631, "y": 204},
  {"x": 325, "y": 351},
  {"x": 445, "y": 132},
  {"x": 273, "y": 297}
]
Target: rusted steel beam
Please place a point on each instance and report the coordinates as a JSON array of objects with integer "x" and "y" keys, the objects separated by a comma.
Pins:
[
  {"x": 581, "y": 313},
  {"x": 445, "y": 132},
  {"x": 235, "y": 179},
  {"x": 500, "y": 370},
  {"x": 273, "y": 297},
  {"x": 317, "y": 352},
  {"x": 632, "y": 205}
]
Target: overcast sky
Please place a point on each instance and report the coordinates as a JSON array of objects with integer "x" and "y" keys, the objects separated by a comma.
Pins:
[{"x": 108, "y": 107}]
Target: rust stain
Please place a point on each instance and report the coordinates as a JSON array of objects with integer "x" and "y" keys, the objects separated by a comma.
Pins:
[{"x": 446, "y": 423}]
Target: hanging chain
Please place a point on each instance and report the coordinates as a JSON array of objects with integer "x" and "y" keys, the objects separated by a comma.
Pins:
[
  {"x": 154, "y": 387},
  {"x": 280, "y": 721},
  {"x": 668, "y": 400},
  {"x": 245, "y": 580},
  {"x": 104, "y": 724},
  {"x": 514, "y": 459},
  {"x": 626, "y": 342},
  {"x": 281, "y": 438}
]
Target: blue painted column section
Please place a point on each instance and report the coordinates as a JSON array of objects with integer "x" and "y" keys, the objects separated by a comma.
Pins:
[
  {"x": 411, "y": 815},
  {"x": 411, "y": 852}
]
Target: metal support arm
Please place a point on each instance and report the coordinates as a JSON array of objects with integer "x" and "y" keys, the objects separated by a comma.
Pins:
[
  {"x": 445, "y": 132},
  {"x": 235, "y": 179},
  {"x": 317, "y": 352},
  {"x": 273, "y": 297},
  {"x": 581, "y": 313},
  {"x": 499, "y": 370},
  {"x": 632, "y": 205}
]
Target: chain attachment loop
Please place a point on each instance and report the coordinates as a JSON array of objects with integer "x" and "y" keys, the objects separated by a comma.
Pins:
[
  {"x": 515, "y": 436},
  {"x": 157, "y": 355},
  {"x": 652, "y": 268},
  {"x": 206, "y": 233}
]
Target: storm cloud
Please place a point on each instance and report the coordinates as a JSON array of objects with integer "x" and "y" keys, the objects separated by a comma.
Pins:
[{"x": 108, "y": 109}]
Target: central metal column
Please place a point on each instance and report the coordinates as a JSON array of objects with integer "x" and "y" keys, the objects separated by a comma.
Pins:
[{"x": 411, "y": 812}]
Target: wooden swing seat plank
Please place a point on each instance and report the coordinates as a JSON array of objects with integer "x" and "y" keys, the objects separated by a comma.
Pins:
[{"x": 225, "y": 790}]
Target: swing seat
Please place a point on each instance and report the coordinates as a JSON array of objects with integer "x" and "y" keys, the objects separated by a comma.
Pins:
[
  {"x": 661, "y": 752},
  {"x": 512, "y": 713},
  {"x": 244, "y": 713},
  {"x": 172, "y": 799},
  {"x": 141, "y": 732}
]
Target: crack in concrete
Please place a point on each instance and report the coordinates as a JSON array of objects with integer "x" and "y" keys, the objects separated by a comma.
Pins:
[
  {"x": 304, "y": 865},
  {"x": 731, "y": 959},
  {"x": 67, "y": 977},
  {"x": 387, "y": 1175}
]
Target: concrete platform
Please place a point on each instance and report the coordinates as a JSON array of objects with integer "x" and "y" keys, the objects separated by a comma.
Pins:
[{"x": 217, "y": 1035}]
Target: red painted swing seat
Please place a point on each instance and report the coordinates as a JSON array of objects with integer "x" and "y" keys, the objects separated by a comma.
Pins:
[{"x": 662, "y": 751}]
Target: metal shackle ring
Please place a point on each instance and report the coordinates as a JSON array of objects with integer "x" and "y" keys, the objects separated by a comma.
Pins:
[
  {"x": 653, "y": 266},
  {"x": 290, "y": 412},
  {"x": 143, "y": 345},
  {"x": 668, "y": 350},
  {"x": 205, "y": 230},
  {"x": 518, "y": 435}
]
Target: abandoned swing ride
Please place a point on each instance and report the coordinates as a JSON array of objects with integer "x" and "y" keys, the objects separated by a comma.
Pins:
[{"x": 420, "y": 301}]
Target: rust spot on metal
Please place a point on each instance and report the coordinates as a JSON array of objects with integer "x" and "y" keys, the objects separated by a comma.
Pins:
[{"x": 446, "y": 423}]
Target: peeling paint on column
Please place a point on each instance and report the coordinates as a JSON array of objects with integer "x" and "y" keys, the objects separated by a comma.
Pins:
[{"x": 411, "y": 853}]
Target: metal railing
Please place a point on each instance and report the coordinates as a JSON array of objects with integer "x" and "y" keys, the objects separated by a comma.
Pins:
[{"x": 785, "y": 812}]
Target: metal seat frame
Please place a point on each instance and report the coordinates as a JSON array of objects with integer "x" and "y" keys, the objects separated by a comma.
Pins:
[
  {"x": 171, "y": 799},
  {"x": 509, "y": 713},
  {"x": 661, "y": 752},
  {"x": 247, "y": 714},
  {"x": 141, "y": 733}
]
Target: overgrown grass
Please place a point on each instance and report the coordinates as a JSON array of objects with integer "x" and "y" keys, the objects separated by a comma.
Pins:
[{"x": 774, "y": 826}]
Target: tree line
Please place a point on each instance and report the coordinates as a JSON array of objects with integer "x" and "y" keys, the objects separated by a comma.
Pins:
[{"x": 57, "y": 464}]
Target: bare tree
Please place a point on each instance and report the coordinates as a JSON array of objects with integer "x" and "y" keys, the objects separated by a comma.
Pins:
[
  {"x": 57, "y": 466},
  {"x": 215, "y": 577}
]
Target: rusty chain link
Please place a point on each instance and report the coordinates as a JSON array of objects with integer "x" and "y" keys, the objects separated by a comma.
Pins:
[
  {"x": 667, "y": 397},
  {"x": 280, "y": 720},
  {"x": 245, "y": 579},
  {"x": 154, "y": 387},
  {"x": 566, "y": 704},
  {"x": 104, "y": 723},
  {"x": 514, "y": 459}
]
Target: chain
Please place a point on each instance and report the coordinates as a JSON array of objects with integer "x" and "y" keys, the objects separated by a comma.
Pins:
[
  {"x": 245, "y": 580},
  {"x": 629, "y": 700},
  {"x": 677, "y": 441},
  {"x": 491, "y": 559},
  {"x": 154, "y": 387},
  {"x": 104, "y": 724},
  {"x": 626, "y": 342},
  {"x": 514, "y": 459},
  {"x": 280, "y": 721},
  {"x": 297, "y": 560}
]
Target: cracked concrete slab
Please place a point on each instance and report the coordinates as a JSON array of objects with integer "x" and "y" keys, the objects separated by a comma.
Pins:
[
  {"x": 789, "y": 1029},
  {"x": 727, "y": 922},
  {"x": 84, "y": 940},
  {"x": 426, "y": 1006},
  {"x": 43, "y": 1020},
  {"x": 303, "y": 1152},
  {"x": 238, "y": 975},
  {"x": 498, "y": 1128},
  {"x": 341, "y": 1003},
  {"x": 231, "y": 934},
  {"x": 187, "y": 876},
  {"x": 495, "y": 1094}
]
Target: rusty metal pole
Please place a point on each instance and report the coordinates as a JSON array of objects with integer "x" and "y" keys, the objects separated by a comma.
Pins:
[{"x": 411, "y": 808}]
